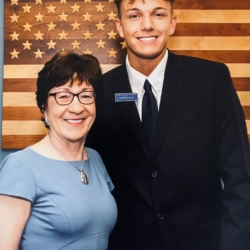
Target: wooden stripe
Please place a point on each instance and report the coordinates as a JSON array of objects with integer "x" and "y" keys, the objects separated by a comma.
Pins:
[
  {"x": 227, "y": 56},
  {"x": 30, "y": 71},
  {"x": 38, "y": 128},
  {"x": 33, "y": 113},
  {"x": 244, "y": 97},
  {"x": 27, "y": 99},
  {"x": 247, "y": 113},
  {"x": 239, "y": 69},
  {"x": 22, "y": 141},
  {"x": 213, "y": 16},
  {"x": 209, "y": 43},
  {"x": 212, "y": 29},
  {"x": 248, "y": 126},
  {"x": 212, "y": 4},
  {"x": 29, "y": 85},
  {"x": 241, "y": 84},
  {"x": 23, "y": 128},
  {"x": 21, "y": 113},
  {"x": 19, "y": 141},
  {"x": 19, "y": 85},
  {"x": 14, "y": 71},
  {"x": 19, "y": 99}
]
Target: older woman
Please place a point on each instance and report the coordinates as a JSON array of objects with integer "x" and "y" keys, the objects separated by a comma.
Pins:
[{"x": 55, "y": 194}]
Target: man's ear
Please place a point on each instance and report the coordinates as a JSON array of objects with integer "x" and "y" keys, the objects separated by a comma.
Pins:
[
  {"x": 172, "y": 25},
  {"x": 119, "y": 27}
]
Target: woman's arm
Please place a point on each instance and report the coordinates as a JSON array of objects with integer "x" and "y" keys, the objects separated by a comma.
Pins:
[{"x": 14, "y": 213}]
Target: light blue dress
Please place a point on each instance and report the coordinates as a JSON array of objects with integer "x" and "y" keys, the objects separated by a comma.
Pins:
[{"x": 66, "y": 214}]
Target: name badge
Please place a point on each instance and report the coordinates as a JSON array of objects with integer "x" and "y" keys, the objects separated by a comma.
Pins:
[{"x": 126, "y": 97}]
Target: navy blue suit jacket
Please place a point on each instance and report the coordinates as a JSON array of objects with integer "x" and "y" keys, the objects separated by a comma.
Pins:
[{"x": 172, "y": 198}]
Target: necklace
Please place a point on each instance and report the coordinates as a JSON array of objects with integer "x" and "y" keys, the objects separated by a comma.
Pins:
[{"x": 83, "y": 176}]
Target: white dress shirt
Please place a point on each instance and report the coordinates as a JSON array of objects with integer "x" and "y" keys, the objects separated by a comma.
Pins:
[{"x": 156, "y": 79}]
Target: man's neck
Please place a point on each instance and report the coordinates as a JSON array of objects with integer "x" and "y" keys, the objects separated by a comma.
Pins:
[{"x": 144, "y": 66}]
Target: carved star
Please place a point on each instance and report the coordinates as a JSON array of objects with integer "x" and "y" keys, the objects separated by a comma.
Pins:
[
  {"x": 112, "y": 16},
  {"x": 39, "y": 17},
  {"x": 112, "y": 53},
  {"x": 26, "y": 8},
  {"x": 26, "y": 45},
  {"x": 87, "y": 1},
  {"x": 63, "y": 1},
  {"x": 63, "y": 17},
  {"x": 100, "y": 26},
  {"x": 63, "y": 35},
  {"x": 14, "y": 36},
  {"x": 75, "y": 8},
  {"x": 14, "y": 18},
  {"x": 51, "y": 45},
  {"x": 51, "y": 8},
  {"x": 39, "y": 35},
  {"x": 14, "y": 2},
  {"x": 99, "y": 7},
  {"x": 38, "y": 1},
  {"x": 27, "y": 26},
  {"x": 100, "y": 44},
  {"x": 88, "y": 52},
  {"x": 14, "y": 54},
  {"x": 51, "y": 26},
  {"x": 87, "y": 35},
  {"x": 124, "y": 45},
  {"x": 75, "y": 45},
  {"x": 38, "y": 53},
  {"x": 112, "y": 34},
  {"x": 87, "y": 17},
  {"x": 75, "y": 25}
]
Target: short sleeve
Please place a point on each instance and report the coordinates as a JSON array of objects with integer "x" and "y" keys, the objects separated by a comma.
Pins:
[{"x": 16, "y": 178}]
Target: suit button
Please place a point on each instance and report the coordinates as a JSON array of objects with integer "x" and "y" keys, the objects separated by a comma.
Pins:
[
  {"x": 154, "y": 174},
  {"x": 160, "y": 216}
]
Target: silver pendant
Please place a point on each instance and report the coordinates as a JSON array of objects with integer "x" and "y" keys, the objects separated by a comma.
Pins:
[{"x": 84, "y": 178}]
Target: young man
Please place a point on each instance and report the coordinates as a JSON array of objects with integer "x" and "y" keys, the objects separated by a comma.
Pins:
[{"x": 167, "y": 172}]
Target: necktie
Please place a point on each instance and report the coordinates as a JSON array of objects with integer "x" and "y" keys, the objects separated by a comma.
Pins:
[{"x": 149, "y": 113}]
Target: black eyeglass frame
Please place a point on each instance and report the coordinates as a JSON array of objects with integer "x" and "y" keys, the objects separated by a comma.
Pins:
[{"x": 73, "y": 96}]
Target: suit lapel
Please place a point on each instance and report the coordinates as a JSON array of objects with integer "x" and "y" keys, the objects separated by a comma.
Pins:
[
  {"x": 128, "y": 109},
  {"x": 172, "y": 86}
]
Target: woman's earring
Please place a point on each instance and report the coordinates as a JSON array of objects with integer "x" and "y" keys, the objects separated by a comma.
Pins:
[{"x": 46, "y": 121}]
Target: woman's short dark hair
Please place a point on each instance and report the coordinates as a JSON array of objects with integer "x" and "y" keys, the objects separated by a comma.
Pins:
[{"x": 63, "y": 67}]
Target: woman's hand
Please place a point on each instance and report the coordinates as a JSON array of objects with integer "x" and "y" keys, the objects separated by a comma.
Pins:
[{"x": 14, "y": 213}]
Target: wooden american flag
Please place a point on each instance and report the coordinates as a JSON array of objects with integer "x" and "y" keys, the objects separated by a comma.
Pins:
[{"x": 36, "y": 29}]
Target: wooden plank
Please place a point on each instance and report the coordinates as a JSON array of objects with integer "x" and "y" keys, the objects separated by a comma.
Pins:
[
  {"x": 27, "y": 99},
  {"x": 19, "y": 141},
  {"x": 23, "y": 128},
  {"x": 209, "y": 43},
  {"x": 212, "y": 4},
  {"x": 29, "y": 85},
  {"x": 30, "y": 71},
  {"x": 213, "y": 16},
  {"x": 19, "y": 99},
  {"x": 244, "y": 97},
  {"x": 212, "y": 29},
  {"x": 223, "y": 56},
  {"x": 21, "y": 113},
  {"x": 239, "y": 69},
  {"x": 241, "y": 84},
  {"x": 246, "y": 110}
]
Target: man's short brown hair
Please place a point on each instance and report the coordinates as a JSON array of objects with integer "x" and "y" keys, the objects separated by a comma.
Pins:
[{"x": 118, "y": 5}]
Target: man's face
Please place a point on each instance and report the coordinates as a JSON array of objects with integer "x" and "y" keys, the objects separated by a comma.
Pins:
[{"x": 146, "y": 26}]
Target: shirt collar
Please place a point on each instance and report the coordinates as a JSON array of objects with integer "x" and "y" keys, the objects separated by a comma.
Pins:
[{"x": 156, "y": 78}]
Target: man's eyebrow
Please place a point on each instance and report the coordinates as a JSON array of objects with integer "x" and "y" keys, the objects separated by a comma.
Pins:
[{"x": 137, "y": 9}]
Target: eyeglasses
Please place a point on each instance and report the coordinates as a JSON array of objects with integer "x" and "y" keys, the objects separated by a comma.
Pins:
[{"x": 65, "y": 98}]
